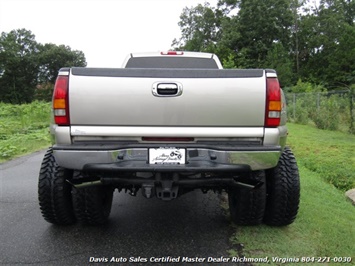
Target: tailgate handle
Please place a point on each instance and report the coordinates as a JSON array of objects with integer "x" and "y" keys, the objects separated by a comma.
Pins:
[{"x": 167, "y": 89}]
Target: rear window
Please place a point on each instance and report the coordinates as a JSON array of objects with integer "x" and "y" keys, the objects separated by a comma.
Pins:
[{"x": 171, "y": 62}]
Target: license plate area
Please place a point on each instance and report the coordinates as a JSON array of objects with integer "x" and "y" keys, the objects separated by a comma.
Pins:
[{"x": 167, "y": 155}]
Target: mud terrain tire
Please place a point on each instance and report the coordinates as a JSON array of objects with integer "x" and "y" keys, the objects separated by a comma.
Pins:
[
  {"x": 54, "y": 192},
  {"x": 283, "y": 191},
  {"x": 247, "y": 205},
  {"x": 92, "y": 205}
]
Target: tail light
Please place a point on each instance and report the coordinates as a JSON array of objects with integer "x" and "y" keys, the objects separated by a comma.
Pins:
[
  {"x": 172, "y": 53},
  {"x": 61, "y": 101},
  {"x": 273, "y": 103}
]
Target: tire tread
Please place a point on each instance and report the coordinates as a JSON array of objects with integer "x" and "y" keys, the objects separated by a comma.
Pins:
[
  {"x": 54, "y": 193},
  {"x": 283, "y": 189},
  {"x": 92, "y": 205},
  {"x": 246, "y": 205}
]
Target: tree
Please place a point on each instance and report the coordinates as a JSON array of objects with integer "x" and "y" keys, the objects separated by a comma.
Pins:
[
  {"x": 341, "y": 68},
  {"x": 199, "y": 28},
  {"x": 18, "y": 66},
  {"x": 262, "y": 24},
  {"x": 228, "y": 41},
  {"x": 301, "y": 39},
  {"x": 248, "y": 35},
  {"x": 279, "y": 59},
  {"x": 327, "y": 41},
  {"x": 53, "y": 57},
  {"x": 26, "y": 65}
]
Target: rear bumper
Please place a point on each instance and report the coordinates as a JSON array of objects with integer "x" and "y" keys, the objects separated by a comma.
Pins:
[{"x": 133, "y": 158}]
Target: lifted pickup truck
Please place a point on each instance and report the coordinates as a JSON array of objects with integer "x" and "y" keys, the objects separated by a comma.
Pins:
[{"x": 166, "y": 124}]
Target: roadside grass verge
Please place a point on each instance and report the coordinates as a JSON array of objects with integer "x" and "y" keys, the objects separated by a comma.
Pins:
[
  {"x": 325, "y": 225},
  {"x": 328, "y": 153},
  {"x": 23, "y": 129}
]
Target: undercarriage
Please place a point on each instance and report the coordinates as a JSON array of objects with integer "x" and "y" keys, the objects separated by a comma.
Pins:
[{"x": 165, "y": 185}]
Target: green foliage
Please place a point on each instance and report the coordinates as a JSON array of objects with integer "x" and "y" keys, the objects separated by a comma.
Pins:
[
  {"x": 352, "y": 110},
  {"x": 229, "y": 62},
  {"x": 327, "y": 110},
  {"x": 29, "y": 69},
  {"x": 44, "y": 92},
  {"x": 23, "y": 128},
  {"x": 261, "y": 24},
  {"x": 326, "y": 40},
  {"x": 199, "y": 27},
  {"x": 304, "y": 87},
  {"x": 341, "y": 68},
  {"x": 18, "y": 66},
  {"x": 304, "y": 40},
  {"x": 53, "y": 57},
  {"x": 327, "y": 114},
  {"x": 301, "y": 112},
  {"x": 278, "y": 58}
]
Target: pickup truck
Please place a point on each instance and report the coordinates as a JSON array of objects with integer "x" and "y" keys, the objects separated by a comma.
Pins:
[{"x": 163, "y": 125}]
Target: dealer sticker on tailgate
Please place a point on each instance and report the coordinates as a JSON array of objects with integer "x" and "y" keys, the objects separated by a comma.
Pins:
[{"x": 168, "y": 155}]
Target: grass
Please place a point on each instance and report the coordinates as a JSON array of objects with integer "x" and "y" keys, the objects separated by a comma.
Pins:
[
  {"x": 23, "y": 129},
  {"x": 325, "y": 226},
  {"x": 328, "y": 153}
]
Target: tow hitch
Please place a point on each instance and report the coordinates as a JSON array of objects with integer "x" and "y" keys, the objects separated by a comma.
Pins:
[{"x": 165, "y": 187}]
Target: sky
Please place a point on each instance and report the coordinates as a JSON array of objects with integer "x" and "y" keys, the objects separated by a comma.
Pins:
[{"x": 105, "y": 30}]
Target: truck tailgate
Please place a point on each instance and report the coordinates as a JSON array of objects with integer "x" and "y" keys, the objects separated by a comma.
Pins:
[{"x": 124, "y": 97}]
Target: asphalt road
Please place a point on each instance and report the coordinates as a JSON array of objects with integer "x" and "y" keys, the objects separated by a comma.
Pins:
[{"x": 194, "y": 225}]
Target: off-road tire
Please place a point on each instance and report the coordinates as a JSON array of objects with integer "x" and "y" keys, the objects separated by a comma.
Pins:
[
  {"x": 92, "y": 205},
  {"x": 247, "y": 206},
  {"x": 54, "y": 192},
  {"x": 283, "y": 191}
]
